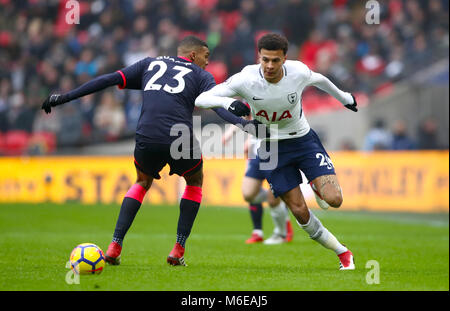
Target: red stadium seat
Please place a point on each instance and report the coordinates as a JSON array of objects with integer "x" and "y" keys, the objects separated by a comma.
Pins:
[
  {"x": 15, "y": 143},
  {"x": 230, "y": 20},
  {"x": 218, "y": 70}
]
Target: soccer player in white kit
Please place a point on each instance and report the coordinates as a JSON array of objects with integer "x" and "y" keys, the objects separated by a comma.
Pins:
[{"x": 273, "y": 90}]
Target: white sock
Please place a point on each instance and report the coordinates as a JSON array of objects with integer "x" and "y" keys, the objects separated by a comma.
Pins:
[
  {"x": 321, "y": 235},
  {"x": 260, "y": 197},
  {"x": 279, "y": 213},
  {"x": 258, "y": 232}
]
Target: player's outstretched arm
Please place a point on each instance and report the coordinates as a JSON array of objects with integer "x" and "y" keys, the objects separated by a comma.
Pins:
[
  {"x": 236, "y": 107},
  {"x": 323, "y": 83},
  {"x": 229, "y": 117},
  {"x": 210, "y": 100},
  {"x": 222, "y": 95},
  {"x": 97, "y": 84}
]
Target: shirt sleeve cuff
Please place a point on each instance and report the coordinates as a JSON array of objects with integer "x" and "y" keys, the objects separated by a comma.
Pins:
[{"x": 124, "y": 84}]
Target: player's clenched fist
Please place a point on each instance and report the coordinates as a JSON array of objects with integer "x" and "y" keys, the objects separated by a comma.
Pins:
[
  {"x": 352, "y": 107},
  {"x": 52, "y": 101},
  {"x": 239, "y": 109}
]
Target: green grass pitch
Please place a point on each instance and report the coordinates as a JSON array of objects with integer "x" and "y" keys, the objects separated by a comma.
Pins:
[{"x": 412, "y": 251}]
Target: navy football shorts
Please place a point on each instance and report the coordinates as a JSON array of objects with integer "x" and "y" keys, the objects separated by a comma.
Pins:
[
  {"x": 304, "y": 153},
  {"x": 150, "y": 158},
  {"x": 253, "y": 169}
]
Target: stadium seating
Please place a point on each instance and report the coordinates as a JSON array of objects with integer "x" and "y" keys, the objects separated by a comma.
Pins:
[
  {"x": 15, "y": 143},
  {"x": 218, "y": 70}
]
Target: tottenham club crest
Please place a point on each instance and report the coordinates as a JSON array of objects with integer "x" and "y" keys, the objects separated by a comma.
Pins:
[{"x": 292, "y": 98}]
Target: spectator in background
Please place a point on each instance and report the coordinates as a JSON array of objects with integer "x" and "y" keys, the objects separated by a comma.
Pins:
[
  {"x": 347, "y": 145},
  {"x": 71, "y": 120},
  {"x": 298, "y": 21},
  {"x": 109, "y": 118},
  {"x": 428, "y": 135},
  {"x": 50, "y": 75},
  {"x": 5, "y": 89},
  {"x": 378, "y": 137},
  {"x": 87, "y": 108},
  {"x": 43, "y": 122},
  {"x": 420, "y": 51},
  {"x": 3, "y": 122},
  {"x": 133, "y": 110},
  {"x": 87, "y": 64},
  {"x": 316, "y": 46},
  {"x": 400, "y": 138},
  {"x": 395, "y": 68},
  {"x": 70, "y": 133},
  {"x": 19, "y": 116}
]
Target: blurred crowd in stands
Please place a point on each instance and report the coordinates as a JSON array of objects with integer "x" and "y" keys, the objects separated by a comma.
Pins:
[
  {"x": 396, "y": 137},
  {"x": 40, "y": 53}
]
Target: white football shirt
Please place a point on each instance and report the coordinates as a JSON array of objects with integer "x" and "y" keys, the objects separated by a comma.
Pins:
[{"x": 278, "y": 103}]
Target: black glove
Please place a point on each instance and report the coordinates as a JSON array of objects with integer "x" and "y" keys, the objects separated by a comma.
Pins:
[
  {"x": 239, "y": 109},
  {"x": 352, "y": 107},
  {"x": 52, "y": 101},
  {"x": 257, "y": 129}
]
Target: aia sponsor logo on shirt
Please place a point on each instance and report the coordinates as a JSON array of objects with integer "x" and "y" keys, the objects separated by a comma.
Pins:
[{"x": 275, "y": 116}]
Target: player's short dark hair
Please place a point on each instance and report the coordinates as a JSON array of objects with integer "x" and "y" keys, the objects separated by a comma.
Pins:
[
  {"x": 273, "y": 42},
  {"x": 190, "y": 42}
]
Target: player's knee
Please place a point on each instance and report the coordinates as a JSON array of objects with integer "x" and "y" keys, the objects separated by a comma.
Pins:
[
  {"x": 195, "y": 180},
  {"x": 273, "y": 202},
  {"x": 145, "y": 183},
  {"x": 248, "y": 196},
  {"x": 249, "y": 193},
  {"x": 334, "y": 198},
  {"x": 297, "y": 207}
]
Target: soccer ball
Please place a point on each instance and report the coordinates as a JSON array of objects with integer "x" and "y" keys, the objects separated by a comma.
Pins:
[{"x": 87, "y": 258}]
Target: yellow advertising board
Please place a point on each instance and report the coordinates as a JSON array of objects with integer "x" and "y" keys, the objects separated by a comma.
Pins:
[
  {"x": 403, "y": 181},
  {"x": 397, "y": 181}
]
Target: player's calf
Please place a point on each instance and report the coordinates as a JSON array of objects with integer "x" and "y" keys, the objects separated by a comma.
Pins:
[
  {"x": 321, "y": 235},
  {"x": 296, "y": 203},
  {"x": 189, "y": 207}
]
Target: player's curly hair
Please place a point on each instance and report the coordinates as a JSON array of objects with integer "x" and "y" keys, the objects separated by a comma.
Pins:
[{"x": 273, "y": 42}]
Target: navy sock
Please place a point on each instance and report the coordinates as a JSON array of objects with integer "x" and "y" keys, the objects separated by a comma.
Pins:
[
  {"x": 188, "y": 212},
  {"x": 128, "y": 211},
  {"x": 256, "y": 213}
]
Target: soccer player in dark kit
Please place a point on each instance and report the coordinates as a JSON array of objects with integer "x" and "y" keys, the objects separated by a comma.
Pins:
[{"x": 170, "y": 86}]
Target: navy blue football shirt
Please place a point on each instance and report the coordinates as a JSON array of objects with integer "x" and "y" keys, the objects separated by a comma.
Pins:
[{"x": 170, "y": 86}]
